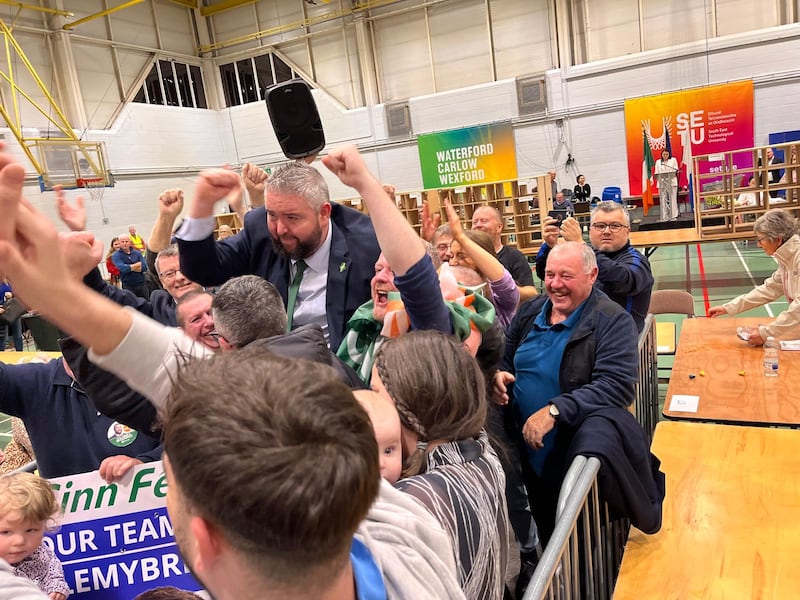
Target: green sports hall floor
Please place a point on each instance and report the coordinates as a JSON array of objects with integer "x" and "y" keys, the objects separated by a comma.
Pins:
[{"x": 713, "y": 272}]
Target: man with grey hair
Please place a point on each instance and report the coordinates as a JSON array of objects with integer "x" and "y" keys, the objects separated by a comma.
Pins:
[
  {"x": 318, "y": 254},
  {"x": 131, "y": 265},
  {"x": 568, "y": 353},
  {"x": 161, "y": 304},
  {"x": 623, "y": 272},
  {"x": 248, "y": 310}
]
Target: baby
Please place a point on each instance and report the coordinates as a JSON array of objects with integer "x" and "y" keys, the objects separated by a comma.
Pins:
[
  {"x": 386, "y": 423},
  {"x": 27, "y": 507}
]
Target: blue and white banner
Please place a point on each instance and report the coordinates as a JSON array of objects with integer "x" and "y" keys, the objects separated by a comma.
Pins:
[{"x": 116, "y": 540}]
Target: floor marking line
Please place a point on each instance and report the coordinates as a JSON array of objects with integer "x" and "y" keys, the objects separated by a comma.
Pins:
[
  {"x": 702, "y": 269},
  {"x": 750, "y": 275}
]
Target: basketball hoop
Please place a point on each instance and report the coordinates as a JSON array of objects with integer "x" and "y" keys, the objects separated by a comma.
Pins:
[{"x": 96, "y": 187}]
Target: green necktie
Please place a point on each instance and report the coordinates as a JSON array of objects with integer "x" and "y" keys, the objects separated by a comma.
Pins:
[{"x": 300, "y": 266}]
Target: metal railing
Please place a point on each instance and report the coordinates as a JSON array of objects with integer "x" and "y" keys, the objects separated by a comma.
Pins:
[
  {"x": 645, "y": 404},
  {"x": 583, "y": 556}
]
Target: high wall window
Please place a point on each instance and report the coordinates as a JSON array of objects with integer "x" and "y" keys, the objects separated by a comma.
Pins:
[
  {"x": 247, "y": 80},
  {"x": 174, "y": 84}
]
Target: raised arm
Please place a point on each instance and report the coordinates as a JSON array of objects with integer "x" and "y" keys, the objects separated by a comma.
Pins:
[
  {"x": 73, "y": 217},
  {"x": 170, "y": 205},
  {"x": 399, "y": 243},
  {"x": 255, "y": 180},
  {"x": 486, "y": 263}
]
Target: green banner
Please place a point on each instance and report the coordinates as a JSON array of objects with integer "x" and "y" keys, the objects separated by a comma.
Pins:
[{"x": 470, "y": 156}]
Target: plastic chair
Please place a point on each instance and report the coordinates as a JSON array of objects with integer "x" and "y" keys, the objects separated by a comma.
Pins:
[{"x": 679, "y": 302}]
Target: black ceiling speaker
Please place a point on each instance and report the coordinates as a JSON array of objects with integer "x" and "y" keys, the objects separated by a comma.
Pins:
[{"x": 295, "y": 119}]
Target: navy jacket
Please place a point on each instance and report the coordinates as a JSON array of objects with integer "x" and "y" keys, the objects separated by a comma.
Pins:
[
  {"x": 629, "y": 480},
  {"x": 160, "y": 307},
  {"x": 623, "y": 275},
  {"x": 599, "y": 367},
  {"x": 354, "y": 251},
  {"x": 67, "y": 433}
]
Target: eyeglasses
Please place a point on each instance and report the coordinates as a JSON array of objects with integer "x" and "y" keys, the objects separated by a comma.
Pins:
[
  {"x": 442, "y": 247},
  {"x": 761, "y": 240},
  {"x": 169, "y": 275},
  {"x": 614, "y": 227}
]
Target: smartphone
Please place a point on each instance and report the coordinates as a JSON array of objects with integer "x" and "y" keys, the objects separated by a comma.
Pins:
[{"x": 559, "y": 214}]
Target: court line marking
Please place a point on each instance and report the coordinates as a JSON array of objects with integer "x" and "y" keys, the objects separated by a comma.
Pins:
[
  {"x": 750, "y": 275},
  {"x": 702, "y": 269}
]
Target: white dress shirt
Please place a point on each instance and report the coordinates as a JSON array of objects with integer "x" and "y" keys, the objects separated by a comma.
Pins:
[{"x": 313, "y": 293}]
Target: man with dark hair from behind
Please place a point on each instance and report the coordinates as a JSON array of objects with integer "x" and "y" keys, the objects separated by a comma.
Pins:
[
  {"x": 291, "y": 519},
  {"x": 166, "y": 593}
]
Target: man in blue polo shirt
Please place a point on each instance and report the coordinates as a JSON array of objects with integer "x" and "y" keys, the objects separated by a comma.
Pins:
[{"x": 567, "y": 354}]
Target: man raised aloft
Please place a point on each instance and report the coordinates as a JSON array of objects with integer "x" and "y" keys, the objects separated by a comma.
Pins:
[{"x": 319, "y": 254}]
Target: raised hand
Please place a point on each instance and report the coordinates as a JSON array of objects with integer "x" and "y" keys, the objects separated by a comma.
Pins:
[
  {"x": 82, "y": 252},
  {"x": 73, "y": 217},
  {"x": 348, "y": 165},
  {"x": 453, "y": 220},
  {"x": 170, "y": 203},
  {"x": 212, "y": 186},
  {"x": 430, "y": 223},
  {"x": 255, "y": 181}
]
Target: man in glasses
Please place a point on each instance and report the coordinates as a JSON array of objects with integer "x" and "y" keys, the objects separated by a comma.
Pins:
[
  {"x": 623, "y": 272},
  {"x": 161, "y": 304}
]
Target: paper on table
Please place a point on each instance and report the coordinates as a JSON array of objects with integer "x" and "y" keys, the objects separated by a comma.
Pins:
[
  {"x": 684, "y": 403},
  {"x": 790, "y": 345}
]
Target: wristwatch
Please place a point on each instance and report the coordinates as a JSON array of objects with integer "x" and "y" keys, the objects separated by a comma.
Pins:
[{"x": 554, "y": 412}]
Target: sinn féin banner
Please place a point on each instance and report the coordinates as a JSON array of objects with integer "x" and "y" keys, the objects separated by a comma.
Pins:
[
  {"x": 470, "y": 156},
  {"x": 708, "y": 120},
  {"x": 116, "y": 539}
]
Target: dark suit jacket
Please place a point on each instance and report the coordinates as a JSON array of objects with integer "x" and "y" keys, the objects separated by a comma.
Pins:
[
  {"x": 354, "y": 250},
  {"x": 629, "y": 479}
]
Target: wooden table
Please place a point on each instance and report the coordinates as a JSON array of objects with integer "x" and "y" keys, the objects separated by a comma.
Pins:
[
  {"x": 731, "y": 524},
  {"x": 12, "y": 358},
  {"x": 726, "y": 396}
]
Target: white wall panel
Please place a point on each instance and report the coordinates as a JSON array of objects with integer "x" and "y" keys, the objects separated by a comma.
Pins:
[
  {"x": 135, "y": 25},
  {"x": 460, "y": 44},
  {"x": 461, "y": 108},
  {"x": 97, "y": 82},
  {"x": 521, "y": 38},
  {"x": 672, "y": 23},
  {"x": 613, "y": 28},
  {"x": 738, "y": 16},
  {"x": 336, "y": 63},
  {"x": 174, "y": 23},
  {"x": 403, "y": 61}
]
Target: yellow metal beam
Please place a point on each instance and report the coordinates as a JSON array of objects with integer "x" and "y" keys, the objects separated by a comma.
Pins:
[
  {"x": 9, "y": 39},
  {"x": 219, "y": 7},
  {"x": 14, "y": 87},
  {"x": 18, "y": 134},
  {"x": 52, "y": 11},
  {"x": 102, "y": 13}
]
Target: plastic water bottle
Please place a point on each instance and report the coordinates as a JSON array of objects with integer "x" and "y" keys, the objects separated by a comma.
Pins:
[{"x": 771, "y": 355}]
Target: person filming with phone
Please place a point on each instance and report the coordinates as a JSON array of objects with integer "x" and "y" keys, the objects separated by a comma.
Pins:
[{"x": 623, "y": 272}]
